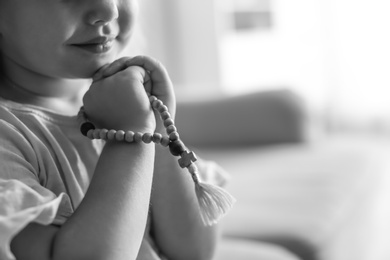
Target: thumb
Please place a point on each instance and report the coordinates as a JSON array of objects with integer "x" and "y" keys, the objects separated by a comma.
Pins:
[{"x": 148, "y": 84}]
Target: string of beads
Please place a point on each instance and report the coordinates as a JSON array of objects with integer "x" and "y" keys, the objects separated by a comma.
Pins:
[
  {"x": 213, "y": 201},
  {"x": 171, "y": 140}
]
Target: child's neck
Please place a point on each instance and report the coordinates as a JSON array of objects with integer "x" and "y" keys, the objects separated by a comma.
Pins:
[{"x": 63, "y": 96}]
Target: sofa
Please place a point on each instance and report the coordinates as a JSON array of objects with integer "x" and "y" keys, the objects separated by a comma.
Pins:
[{"x": 298, "y": 197}]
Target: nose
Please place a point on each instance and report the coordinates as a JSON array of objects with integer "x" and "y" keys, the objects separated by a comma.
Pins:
[{"x": 102, "y": 12}]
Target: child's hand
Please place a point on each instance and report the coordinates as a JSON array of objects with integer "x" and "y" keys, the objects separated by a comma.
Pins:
[
  {"x": 156, "y": 82},
  {"x": 119, "y": 100},
  {"x": 161, "y": 86}
]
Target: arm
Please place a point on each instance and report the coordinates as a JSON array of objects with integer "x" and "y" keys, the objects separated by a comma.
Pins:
[
  {"x": 177, "y": 226},
  {"x": 110, "y": 221},
  {"x": 113, "y": 214}
]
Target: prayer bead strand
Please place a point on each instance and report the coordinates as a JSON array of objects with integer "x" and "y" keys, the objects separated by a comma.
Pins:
[
  {"x": 176, "y": 146},
  {"x": 214, "y": 201}
]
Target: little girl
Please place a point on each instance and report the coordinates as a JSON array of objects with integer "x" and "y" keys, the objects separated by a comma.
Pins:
[{"x": 62, "y": 195}]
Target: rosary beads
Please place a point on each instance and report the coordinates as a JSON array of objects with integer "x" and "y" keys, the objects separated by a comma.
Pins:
[{"x": 214, "y": 201}]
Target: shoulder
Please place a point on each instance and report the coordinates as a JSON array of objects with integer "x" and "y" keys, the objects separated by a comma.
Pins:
[
  {"x": 15, "y": 147},
  {"x": 11, "y": 126},
  {"x": 17, "y": 142},
  {"x": 32, "y": 122},
  {"x": 11, "y": 118}
]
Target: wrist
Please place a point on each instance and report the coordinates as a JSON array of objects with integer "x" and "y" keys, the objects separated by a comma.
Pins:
[{"x": 144, "y": 126}]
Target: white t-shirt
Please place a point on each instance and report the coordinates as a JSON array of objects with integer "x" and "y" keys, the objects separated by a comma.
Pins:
[{"x": 46, "y": 168}]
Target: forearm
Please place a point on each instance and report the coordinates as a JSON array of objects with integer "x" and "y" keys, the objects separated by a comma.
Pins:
[
  {"x": 179, "y": 230},
  {"x": 110, "y": 221}
]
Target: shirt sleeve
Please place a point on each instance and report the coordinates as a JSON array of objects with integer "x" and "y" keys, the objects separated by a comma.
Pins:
[
  {"x": 22, "y": 198},
  {"x": 213, "y": 173}
]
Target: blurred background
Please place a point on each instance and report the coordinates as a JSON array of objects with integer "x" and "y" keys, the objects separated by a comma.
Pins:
[
  {"x": 334, "y": 53},
  {"x": 322, "y": 190}
]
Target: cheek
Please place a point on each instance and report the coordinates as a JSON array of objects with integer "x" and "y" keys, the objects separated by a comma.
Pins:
[
  {"x": 32, "y": 30},
  {"x": 128, "y": 13},
  {"x": 29, "y": 45}
]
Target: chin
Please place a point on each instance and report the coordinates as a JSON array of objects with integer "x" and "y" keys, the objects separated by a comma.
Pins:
[
  {"x": 81, "y": 74},
  {"x": 86, "y": 70}
]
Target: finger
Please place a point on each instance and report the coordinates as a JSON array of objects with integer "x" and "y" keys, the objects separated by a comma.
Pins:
[
  {"x": 148, "y": 83},
  {"x": 155, "y": 68},
  {"x": 139, "y": 73},
  {"x": 115, "y": 67},
  {"x": 111, "y": 68},
  {"x": 99, "y": 74}
]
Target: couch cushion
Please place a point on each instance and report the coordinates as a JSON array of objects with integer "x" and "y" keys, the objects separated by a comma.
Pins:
[
  {"x": 303, "y": 196},
  {"x": 244, "y": 249}
]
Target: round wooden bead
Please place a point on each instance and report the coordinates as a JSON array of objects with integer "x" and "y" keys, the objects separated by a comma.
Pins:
[
  {"x": 192, "y": 168},
  {"x": 85, "y": 127},
  {"x": 129, "y": 136},
  {"x": 157, "y": 138},
  {"x": 138, "y": 137},
  {"x": 152, "y": 99},
  {"x": 165, "y": 141},
  {"x": 168, "y": 122},
  {"x": 174, "y": 136},
  {"x": 96, "y": 134},
  {"x": 176, "y": 147},
  {"x": 103, "y": 134},
  {"x": 111, "y": 134},
  {"x": 162, "y": 109},
  {"x": 170, "y": 129},
  {"x": 90, "y": 133},
  {"x": 147, "y": 138},
  {"x": 157, "y": 103},
  {"x": 165, "y": 115},
  {"x": 120, "y": 135}
]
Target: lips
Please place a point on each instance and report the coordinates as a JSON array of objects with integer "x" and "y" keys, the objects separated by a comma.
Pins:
[{"x": 96, "y": 45}]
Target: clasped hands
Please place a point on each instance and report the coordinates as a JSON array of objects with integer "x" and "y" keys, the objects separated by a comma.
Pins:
[{"x": 117, "y": 97}]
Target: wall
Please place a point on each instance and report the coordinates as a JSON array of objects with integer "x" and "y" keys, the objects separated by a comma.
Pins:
[
  {"x": 333, "y": 52},
  {"x": 182, "y": 35}
]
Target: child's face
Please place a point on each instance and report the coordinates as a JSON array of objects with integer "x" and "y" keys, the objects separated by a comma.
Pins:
[{"x": 64, "y": 38}]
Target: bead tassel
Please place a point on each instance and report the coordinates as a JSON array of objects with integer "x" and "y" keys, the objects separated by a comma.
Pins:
[{"x": 214, "y": 202}]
